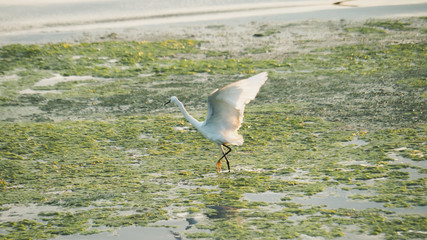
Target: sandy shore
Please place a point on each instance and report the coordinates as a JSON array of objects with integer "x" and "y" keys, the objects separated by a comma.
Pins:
[{"x": 44, "y": 21}]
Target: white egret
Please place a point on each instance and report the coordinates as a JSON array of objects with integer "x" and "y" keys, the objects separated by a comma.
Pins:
[{"x": 225, "y": 113}]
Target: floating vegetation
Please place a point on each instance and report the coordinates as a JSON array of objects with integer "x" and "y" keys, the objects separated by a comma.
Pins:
[
  {"x": 93, "y": 149},
  {"x": 365, "y": 30},
  {"x": 380, "y": 27},
  {"x": 391, "y": 25}
]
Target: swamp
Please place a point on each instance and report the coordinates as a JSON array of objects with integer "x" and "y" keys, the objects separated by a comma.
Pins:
[{"x": 335, "y": 142}]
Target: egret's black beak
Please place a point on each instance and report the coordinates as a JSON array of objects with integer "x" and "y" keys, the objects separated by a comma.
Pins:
[{"x": 167, "y": 102}]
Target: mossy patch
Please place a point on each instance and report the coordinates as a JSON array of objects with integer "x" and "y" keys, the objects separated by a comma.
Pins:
[{"x": 391, "y": 25}]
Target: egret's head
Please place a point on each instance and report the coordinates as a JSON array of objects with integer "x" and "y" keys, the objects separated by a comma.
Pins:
[{"x": 172, "y": 99}]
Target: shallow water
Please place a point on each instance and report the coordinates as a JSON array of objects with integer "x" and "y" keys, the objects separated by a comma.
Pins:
[
  {"x": 58, "y": 79},
  {"x": 332, "y": 198},
  {"x": 39, "y": 21},
  {"x": 161, "y": 230},
  {"x": 127, "y": 233},
  {"x": 17, "y": 112},
  {"x": 268, "y": 197},
  {"x": 403, "y": 160},
  {"x": 355, "y": 142},
  {"x": 30, "y": 211},
  {"x": 41, "y": 92},
  {"x": 45, "y": 13}
]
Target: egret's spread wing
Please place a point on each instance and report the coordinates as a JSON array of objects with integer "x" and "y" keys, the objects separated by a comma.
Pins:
[
  {"x": 221, "y": 113},
  {"x": 226, "y": 105},
  {"x": 240, "y": 93}
]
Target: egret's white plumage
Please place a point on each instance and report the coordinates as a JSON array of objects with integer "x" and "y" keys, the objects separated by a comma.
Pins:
[{"x": 225, "y": 112}]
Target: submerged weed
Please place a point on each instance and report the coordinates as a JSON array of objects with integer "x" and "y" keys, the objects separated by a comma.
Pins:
[{"x": 391, "y": 25}]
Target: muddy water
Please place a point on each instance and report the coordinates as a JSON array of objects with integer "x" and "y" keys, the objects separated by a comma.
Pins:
[{"x": 47, "y": 21}]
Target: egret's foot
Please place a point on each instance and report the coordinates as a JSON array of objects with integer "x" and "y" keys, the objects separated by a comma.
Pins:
[
  {"x": 218, "y": 166},
  {"x": 228, "y": 164}
]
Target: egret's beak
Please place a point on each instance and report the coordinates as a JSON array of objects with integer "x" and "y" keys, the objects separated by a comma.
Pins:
[{"x": 167, "y": 102}]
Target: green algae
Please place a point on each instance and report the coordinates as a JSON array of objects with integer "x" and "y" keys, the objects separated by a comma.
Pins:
[
  {"x": 391, "y": 25},
  {"x": 365, "y": 30},
  {"x": 106, "y": 153},
  {"x": 380, "y": 27},
  {"x": 85, "y": 154}
]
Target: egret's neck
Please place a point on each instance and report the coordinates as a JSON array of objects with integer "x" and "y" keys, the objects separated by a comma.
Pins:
[{"x": 187, "y": 116}]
